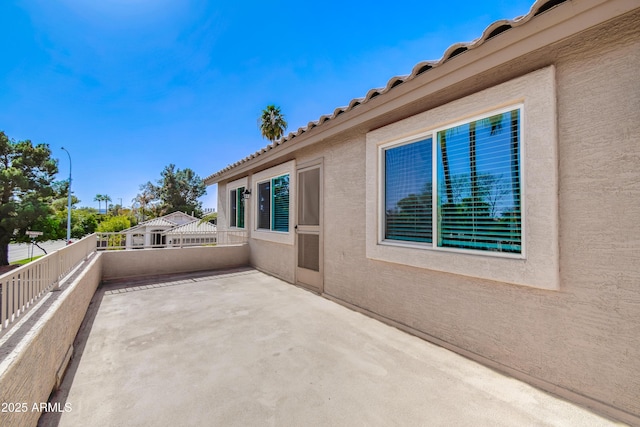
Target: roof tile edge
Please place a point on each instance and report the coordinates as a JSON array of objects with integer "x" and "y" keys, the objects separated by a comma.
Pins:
[{"x": 492, "y": 30}]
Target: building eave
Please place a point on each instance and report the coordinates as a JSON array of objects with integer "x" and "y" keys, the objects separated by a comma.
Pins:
[{"x": 547, "y": 22}]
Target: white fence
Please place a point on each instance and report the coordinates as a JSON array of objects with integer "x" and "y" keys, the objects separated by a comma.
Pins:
[
  {"x": 159, "y": 239},
  {"x": 21, "y": 288}
]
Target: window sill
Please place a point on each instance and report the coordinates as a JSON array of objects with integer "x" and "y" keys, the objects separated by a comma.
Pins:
[
  {"x": 282, "y": 237},
  {"x": 430, "y": 247}
]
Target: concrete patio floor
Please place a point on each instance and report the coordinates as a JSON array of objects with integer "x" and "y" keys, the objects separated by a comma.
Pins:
[{"x": 243, "y": 348}]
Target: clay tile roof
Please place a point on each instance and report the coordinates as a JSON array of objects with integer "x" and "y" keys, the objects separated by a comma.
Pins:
[
  {"x": 192, "y": 227},
  {"x": 493, "y": 30}
]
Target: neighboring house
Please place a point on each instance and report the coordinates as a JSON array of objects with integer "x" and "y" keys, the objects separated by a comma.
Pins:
[
  {"x": 487, "y": 202},
  {"x": 177, "y": 227},
  {"x": 192, "y": 233}
]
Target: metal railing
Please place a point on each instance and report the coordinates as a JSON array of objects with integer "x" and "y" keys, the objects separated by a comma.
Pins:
[
  {"x": 21, "y": 288},
  {"x": 160, "y": 239}
]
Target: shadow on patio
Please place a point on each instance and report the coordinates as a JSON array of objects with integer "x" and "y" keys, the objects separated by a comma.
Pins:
[{"x": 239, "y": 347}]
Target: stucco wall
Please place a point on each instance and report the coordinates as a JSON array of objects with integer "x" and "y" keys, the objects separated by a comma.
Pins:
[
  {"x": 28, "y": 373},
  {"x": 274, "y": 258},
  {"x": 145, "y": 262},
  {"x": 583, "y": 338}
]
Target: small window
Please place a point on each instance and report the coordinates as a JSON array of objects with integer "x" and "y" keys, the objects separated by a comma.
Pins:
[
  {"x": 233, "y": 211},
  {"x": 236, "y": 207},
  {"x": 476, "y": 193},
  {"x": 264, "y": 205},
  {"x": 408, "y": 192},
  {"x": 273, "y": 204}
]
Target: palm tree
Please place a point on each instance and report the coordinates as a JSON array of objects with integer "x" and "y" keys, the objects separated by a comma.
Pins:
[
  {"x": 98, "y": 199},
  {"x": 144, "y": 199},
  {"x": 272, "y": 123},
  {"x": 106, "y": 200},
  {"x": 445, "y": 166},
  {"x": 213, "y": 216}
]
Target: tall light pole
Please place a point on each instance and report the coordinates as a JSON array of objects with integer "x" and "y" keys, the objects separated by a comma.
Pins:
[{"x": 69, "y": 200}]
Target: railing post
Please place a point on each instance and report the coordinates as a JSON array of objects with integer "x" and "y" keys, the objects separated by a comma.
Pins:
[{"x": 3, "y": 304}]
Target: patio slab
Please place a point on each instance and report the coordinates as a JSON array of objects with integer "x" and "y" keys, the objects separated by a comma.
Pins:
[{"x": 244, "y": 348}]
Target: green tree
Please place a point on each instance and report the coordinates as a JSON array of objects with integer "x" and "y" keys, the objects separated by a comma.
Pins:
[
  {"x": 272, "y": 123},
  {"x": 26, "y": 176},
  {"x": 177, "y": 190},
  {"x": 60, "y": 197},
  {"x": 114, "y": 224},
  {"x": 84, "y": 221}
]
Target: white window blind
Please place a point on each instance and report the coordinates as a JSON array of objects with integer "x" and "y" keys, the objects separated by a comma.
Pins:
[
  {"x": 477, "y": 187},
  {"x": 273, "y": 204},
  {"x": 408, "y": 192},
  {"x": 479, "y": 184}
]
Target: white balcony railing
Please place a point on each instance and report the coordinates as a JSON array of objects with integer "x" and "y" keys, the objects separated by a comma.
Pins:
[
  {"x": 20, "y": 289},
  {"x": 160, "y": 239}
]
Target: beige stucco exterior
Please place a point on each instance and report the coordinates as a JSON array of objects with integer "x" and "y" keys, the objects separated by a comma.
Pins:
[
  {"x": 149, "y": 262},
  {"x": 579, "y": 338},
  {"x": 37, "y": 358}
]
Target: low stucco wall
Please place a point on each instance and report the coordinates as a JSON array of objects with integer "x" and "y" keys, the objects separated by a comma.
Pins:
[
  {"x": 28, "y": 372},
  {"x": 148, "y": 262},
  {"x": 274, "y": 258}
]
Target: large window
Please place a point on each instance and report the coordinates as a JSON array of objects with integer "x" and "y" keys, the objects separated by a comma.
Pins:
[
  {"x": 472, "y": 201},
  {"x": 236, "y": 207},
  {"x": 273, "y": 204},
  {"x": 494, "y": 186}
]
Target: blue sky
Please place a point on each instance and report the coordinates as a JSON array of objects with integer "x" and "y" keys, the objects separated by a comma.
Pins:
[{"x": 130, "y": 86}]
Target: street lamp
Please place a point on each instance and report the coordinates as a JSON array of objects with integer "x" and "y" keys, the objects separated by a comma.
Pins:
[{"x": 69, "y": 200}]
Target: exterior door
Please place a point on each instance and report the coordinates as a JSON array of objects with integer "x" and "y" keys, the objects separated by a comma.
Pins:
[{"x": 309, "y": 244}]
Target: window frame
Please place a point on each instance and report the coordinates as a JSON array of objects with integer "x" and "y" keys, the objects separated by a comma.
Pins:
[
  {"x": 432, "y": 134},
  {"x": 538, "y": 266},
  {"x": 382, "y": 190},
  {"x": 283, "y": 237},
  {"x": 272, "y": 205},
  {"x": 235, "y": 186}
]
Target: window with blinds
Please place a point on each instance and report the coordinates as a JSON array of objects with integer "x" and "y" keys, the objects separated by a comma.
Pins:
[
  {"x": 477, "y": 189},
  {"x": 273, "y": 204},
  {"x": 240, "y": 204},
  {"x": 479, "y": 184},
  {"x": 280, "y": 203},
  {"x": 408, "y": 192},
  {"x": 236, "y": 207},
  {"x": 233, "y": 208}
]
